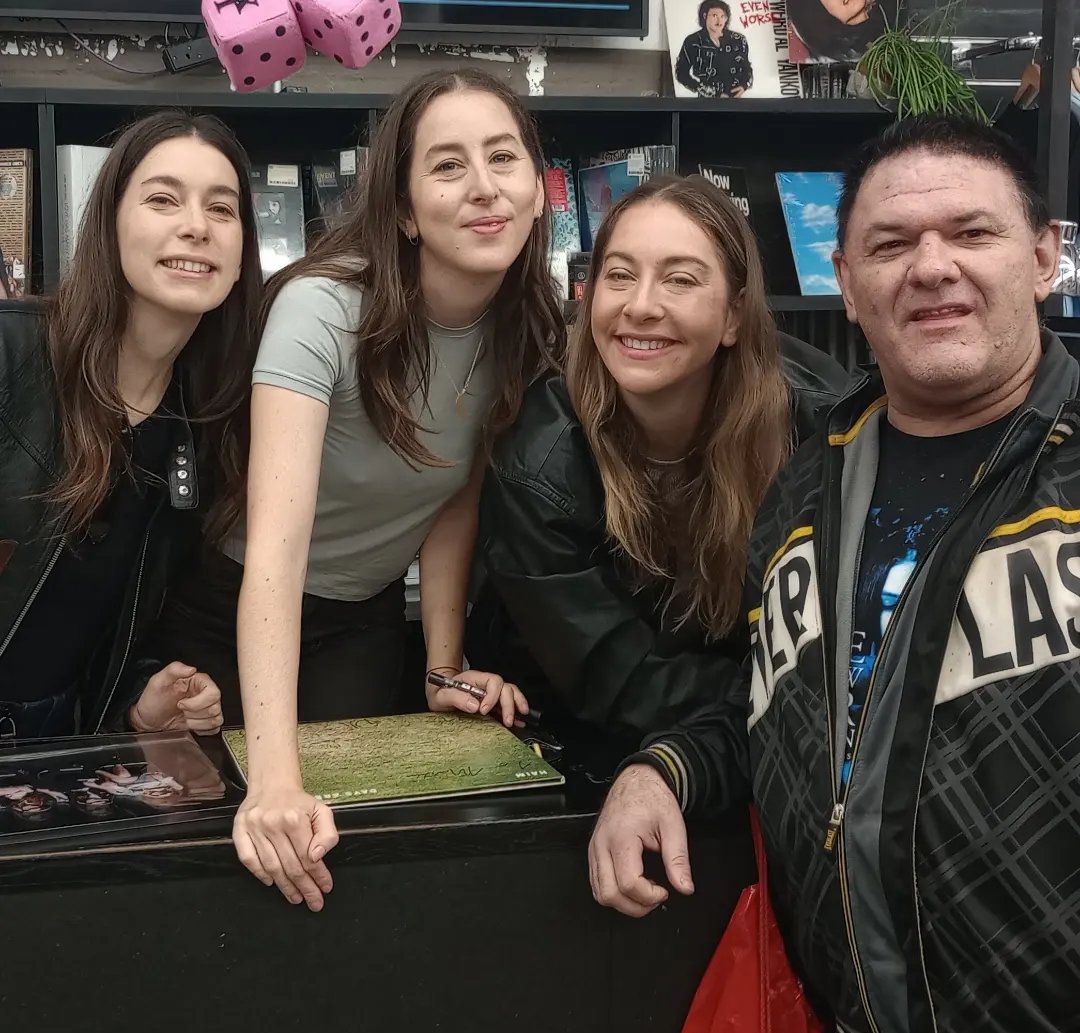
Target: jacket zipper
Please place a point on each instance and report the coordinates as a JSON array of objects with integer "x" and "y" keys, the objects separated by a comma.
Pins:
[
  {"x": 131, "y": 631},
  {"x": 34, "y": 594},
  {"x": 840, "y": 801},
  {"x": 834, "y": 828},
  {"x": 837, "y": 815}
]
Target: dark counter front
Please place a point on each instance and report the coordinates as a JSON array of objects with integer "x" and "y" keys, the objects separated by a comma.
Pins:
[{"x": 470, "y": 916}]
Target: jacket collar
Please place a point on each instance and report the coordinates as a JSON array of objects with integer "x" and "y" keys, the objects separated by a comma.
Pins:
[{"x": 1057, "y": 381}]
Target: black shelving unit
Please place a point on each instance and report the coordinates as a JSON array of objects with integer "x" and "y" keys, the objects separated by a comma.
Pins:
[{"x": 763, "y": 135}]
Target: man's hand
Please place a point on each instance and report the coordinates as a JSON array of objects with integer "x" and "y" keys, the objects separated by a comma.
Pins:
[
  {"x": 640, "y": 814},
  {"x": 178, "y": 697}
]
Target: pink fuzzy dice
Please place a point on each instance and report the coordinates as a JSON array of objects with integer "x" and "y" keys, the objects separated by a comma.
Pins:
[
  {"x": 352, "y": 32},
  {"x": 257, "y": 41}
]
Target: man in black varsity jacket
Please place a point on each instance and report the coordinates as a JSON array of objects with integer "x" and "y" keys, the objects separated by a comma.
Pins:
[{"x": 913, "y": 594}]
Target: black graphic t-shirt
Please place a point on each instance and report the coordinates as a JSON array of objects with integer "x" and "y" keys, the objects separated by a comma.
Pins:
[{"x": 920, "y": 481}]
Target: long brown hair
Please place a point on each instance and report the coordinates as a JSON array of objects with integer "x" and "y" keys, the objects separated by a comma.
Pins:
[
  {"x": 394, "y": 355},
  {"x": 87, "y": 317},
  {"x": 743, "y": 437}
]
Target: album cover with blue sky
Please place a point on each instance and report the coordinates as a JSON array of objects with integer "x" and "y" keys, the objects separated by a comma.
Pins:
[{"x": 809, "y": 200}]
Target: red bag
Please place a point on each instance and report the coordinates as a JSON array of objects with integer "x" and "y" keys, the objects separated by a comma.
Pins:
[{"x": 749, "y": 986}]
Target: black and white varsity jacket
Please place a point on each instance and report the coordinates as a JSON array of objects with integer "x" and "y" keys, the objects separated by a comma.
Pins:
[{"x": 940, "y": 893}]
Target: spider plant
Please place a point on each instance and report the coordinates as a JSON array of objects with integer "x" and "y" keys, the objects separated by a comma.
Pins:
[{"x": 904, "y": 67}]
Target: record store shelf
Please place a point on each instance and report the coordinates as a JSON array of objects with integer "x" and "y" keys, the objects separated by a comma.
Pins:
[{"x": 761, "y": 134}]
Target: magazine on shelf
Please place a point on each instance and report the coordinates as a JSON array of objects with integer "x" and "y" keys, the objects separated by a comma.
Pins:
[
  {"x": 86, "y": 786},
  {"x": 365, "y": 762}
]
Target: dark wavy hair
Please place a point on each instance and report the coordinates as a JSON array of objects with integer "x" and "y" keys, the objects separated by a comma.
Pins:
[
  {"x": 828, "y": 38},
  {"x": 87, "y": 317},
  {"x": 707, "y": 5},
  {"x": 394, "y": 354}
]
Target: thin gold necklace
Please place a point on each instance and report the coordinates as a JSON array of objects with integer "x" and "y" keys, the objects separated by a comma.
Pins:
[
  {"x": 668, "y": 462},
  {"x": 459, "y": 392}
]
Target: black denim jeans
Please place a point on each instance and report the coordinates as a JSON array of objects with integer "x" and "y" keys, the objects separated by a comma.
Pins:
[{"x": 351, "y": 653}]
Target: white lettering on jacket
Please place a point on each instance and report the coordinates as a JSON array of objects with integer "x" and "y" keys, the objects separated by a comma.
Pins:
[
  {"x": 788, "y": 619},
  {"x": 1019, "y": 612}
]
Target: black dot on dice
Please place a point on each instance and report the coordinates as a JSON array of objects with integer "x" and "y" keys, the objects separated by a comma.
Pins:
[
  {"x": 369, "y": 51},
  {"x": 298, "y": 7},
  {"x": 291, "y": 61},
  {"x": 238, "y": 49},
  {"x": 280, "y": 30},
  {"x": 360, "y": 20},
  {"x": 328, "y": 23},
  {"x": 339, "y": 60},
  {"x": 364, "y": 37},
  {"x": 386, "y": 13},
  {"x": 390, "y": 27},
  {"x": 264, "y": 57},
  {"x": 318, "y": 33},
  {"x": 249, "y": 81}
]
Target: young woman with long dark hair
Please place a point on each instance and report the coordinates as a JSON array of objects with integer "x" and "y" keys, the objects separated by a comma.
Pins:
[
  {"x": 391, "y": 354},
  {"x": 122, "y": 416}
]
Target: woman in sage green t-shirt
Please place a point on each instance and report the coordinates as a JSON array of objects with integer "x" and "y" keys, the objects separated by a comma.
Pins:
[{"x": 389, "y": 357}]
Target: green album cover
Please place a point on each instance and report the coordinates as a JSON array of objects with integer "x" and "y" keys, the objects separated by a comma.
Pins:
[{"x": 376, "y": 760}]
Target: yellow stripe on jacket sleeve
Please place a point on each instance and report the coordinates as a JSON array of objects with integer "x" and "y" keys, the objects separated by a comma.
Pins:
[{"x": 675, "y": 767}]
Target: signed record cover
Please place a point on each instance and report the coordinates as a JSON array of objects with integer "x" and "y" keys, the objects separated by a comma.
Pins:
[
  {"x": 404, "y": 757},
  {"x": 130, "y": 786}
]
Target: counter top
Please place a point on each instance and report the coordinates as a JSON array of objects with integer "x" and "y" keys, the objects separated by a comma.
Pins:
[{"x": 515, "y": 821}]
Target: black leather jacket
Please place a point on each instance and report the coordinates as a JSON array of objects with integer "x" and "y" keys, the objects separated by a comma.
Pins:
[
  {"x": 935, "y": 891},
  {"x": 554, "y": 616},
  {"x": 32, "y": 532}
]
